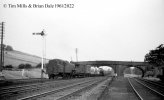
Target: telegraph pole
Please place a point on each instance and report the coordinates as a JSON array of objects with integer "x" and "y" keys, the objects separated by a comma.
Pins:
[
  {"x": 2, "y": 47},
  {"x": 42, "y": 34}
]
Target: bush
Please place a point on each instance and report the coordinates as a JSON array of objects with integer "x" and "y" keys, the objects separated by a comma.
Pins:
[
  {"x": 28, "y": 66},
  {"x": 25, "y": 66},
  {"x": 21, "y": 66},
  {"x": 9, "y": 67},
  {"x": 38, "y": 65},
  {"x": 149, "y": 73},
  {"x": 161, "y": 77},
  {"x": 9, "y": 48}
]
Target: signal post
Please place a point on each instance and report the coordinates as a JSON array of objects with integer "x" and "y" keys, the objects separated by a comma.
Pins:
[{"x": 41, "y": 34}]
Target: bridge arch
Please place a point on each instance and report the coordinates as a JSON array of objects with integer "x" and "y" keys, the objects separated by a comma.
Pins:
[{"x": 142, "y": 70}]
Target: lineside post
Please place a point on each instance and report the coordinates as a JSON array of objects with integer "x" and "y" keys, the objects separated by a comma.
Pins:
[
  {"x": 2, "y": 47},
  {"x": 42, "y": 34}
]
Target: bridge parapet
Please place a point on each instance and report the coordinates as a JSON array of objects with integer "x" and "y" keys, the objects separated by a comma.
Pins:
[{"x": 108, "y": 63}]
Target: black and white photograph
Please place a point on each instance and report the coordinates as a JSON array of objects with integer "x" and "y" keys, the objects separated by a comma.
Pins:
[{"x": 81, "y": 49}]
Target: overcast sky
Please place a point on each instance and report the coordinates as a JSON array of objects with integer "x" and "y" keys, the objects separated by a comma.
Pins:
[{"x": 101, "y": 29}]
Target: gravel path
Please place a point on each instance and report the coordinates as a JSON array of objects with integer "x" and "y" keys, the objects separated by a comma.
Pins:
[
  {"x": 119, "y": 89},
  {"x": 96, "y": 92}
]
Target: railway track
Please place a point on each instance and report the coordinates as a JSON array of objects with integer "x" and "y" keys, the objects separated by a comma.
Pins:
[
  {"x": 16, "y": 92},
  {"x": 16, "y": 82},
  {"x": 66, "y": 91},
  {"x": 146, "y": 90},
  {"x": 155, "y": 84},
  {"x": 13, "y": 90}
]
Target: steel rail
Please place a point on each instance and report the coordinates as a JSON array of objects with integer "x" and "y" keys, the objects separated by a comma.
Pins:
[
  {"x": 135, "y": 90},
  {"x": 152, "y": 82},
  {"x": 149, "y": 88}
]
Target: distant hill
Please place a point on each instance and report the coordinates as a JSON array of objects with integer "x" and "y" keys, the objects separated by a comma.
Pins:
[{"x": 14, "y": 58}]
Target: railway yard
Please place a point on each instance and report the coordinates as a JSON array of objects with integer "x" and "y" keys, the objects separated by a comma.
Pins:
[
  {"x": 97, "y": 50},
  {"x": 68, "y": 81},
  {"x": 58, "y": 89},
  {"x": 80, "y": 81},
  {"x": 89, "y": 88},
  {"x": 84, "y": 80}
]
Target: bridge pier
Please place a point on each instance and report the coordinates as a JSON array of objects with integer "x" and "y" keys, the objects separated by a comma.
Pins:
[{"x": 117, "y": 69}]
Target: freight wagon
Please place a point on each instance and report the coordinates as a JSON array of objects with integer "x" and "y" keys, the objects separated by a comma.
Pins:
[
  {"x": 82, "y": 71},
  {"x": 59, "y": 68}
]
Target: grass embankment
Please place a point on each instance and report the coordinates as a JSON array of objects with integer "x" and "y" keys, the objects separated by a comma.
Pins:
[{"x": 31, "y": 73}]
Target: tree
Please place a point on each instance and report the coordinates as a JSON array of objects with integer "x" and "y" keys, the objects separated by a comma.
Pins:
[
  {"x": 38, "y": 65},
  {"x": 3, "y": 45},
  {"x": 9, "y": 48},
  {"x": 28, "y": 66},
  {"x": 21, "y": 66},
  {"x": 156, "y": 57},
  {"x": 25, "y": 66},
  {"x": 8, "y": 67}
]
